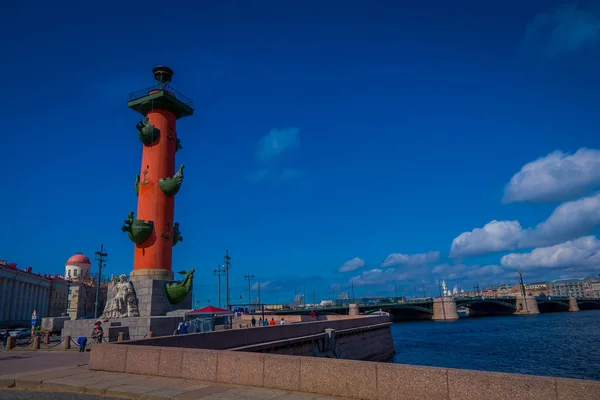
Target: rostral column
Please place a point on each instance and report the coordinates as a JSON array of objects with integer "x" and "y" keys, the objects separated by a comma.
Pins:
[{"x": 153, "y": 229}]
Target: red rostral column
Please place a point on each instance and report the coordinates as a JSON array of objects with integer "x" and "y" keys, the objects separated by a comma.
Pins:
[{"x": 153, "y": 229}]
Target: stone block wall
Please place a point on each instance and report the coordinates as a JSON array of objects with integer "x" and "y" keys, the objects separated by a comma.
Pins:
[
  {"x": 135, "y": 328},
  {"x": 333, "y": 377}
]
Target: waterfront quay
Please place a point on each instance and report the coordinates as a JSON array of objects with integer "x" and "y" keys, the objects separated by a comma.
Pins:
[
  {"x": 208, "y": 358},
  {"x": 327, "y": 358}
]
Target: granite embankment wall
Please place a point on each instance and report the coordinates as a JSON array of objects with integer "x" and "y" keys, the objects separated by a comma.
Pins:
[
  {"x": 236, "y": 338},
  {"x": 369, "y": 342},
  {"x": 334, "y": 377}
]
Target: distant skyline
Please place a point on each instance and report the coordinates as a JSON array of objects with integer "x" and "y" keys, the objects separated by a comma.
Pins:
[{"x": 374, "y": 143}]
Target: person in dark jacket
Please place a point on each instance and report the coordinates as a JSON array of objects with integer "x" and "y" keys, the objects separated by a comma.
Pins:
[{"x": 98, "y": 332}]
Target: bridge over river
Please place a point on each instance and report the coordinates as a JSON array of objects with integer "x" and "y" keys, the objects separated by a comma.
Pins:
[{"x": 446, "y": 308}]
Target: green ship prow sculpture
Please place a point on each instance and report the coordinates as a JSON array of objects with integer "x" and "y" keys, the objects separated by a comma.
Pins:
[{"x": 178, "y": 291}]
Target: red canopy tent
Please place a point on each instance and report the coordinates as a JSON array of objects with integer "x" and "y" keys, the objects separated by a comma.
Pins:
[{"x": 210, "y": 310}]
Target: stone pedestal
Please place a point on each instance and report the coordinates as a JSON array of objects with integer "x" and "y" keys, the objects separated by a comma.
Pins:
[
  {"x": 444, "y": 309},
  {"x": 353, "y": 310},
  {"x": 156, "y": 274},
  {"x": 152, "y": 298},
  {"x": 526, "y": 305},
  {"x": 573, "y": 306}
]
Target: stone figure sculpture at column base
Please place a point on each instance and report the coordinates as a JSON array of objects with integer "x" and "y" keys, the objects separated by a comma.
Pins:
[{"x": 124, "y": 302}]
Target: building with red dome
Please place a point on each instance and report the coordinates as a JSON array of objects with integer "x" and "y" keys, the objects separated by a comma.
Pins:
[{"x": 78, "y": 268}]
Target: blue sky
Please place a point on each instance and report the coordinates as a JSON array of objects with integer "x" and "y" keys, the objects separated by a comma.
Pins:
[{"x": 324, "y": 132}]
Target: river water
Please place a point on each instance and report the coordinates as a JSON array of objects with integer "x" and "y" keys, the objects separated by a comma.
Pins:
[{"x": 557, "y": 344}]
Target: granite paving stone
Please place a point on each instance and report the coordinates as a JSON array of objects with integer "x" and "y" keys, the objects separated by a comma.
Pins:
[
  {"x": 101, "y": 387},
  {"x": 34, "y": 381},
  {"x": 78, "y": 382}
]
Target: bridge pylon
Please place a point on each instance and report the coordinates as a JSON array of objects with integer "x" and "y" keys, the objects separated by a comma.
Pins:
[
  {"x": 444, "y": 309},
  {"x": 573, "y": 306},
  {"x": 526, "y": 305}
]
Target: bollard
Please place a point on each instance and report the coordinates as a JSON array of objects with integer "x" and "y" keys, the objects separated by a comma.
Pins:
[
  {"x": 36, "y": 342},
  {"x": 67, "y": 342},
  {"x": 10, "y": 343},
  {"x": 46, "y": 338},
  {"x": 121, "y": 337},
  {"x": 150, "y": 334}
]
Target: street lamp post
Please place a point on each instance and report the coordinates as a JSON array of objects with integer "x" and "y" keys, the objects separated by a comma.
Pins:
[
  {"x": 68, "y": 297},
  {"x": 249, "y": 278},
  {"x": 218, "y": 272},
  {"x": 227, "y": 265},
  {"x": 101, "y": 258}
]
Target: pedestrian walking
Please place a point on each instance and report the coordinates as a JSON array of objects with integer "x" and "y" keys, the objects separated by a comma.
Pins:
[{"x": 82, "y": 342}]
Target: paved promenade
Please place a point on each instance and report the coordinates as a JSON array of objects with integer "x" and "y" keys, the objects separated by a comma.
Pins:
[
  {"x": 30, "y": 372},
  {"x": 12, "y": 362}
]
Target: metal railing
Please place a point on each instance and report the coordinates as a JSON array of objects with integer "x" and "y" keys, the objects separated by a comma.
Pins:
[{"x": 138, "y": 94}]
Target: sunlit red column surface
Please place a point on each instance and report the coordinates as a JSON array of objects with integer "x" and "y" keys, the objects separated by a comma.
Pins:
[
  {"x": 153, "y": 257},
  {"x": 158, "y": 160}
]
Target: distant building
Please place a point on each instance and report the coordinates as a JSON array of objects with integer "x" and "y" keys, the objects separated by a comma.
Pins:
[
  {"x": 82, "y": 289},
  {"x": 273, "y": 307},
  {"x": 591, "y": 287},
  {"x": 341, "y": 302},
  {"x": 298, "y": 299},
  {"x": 59, "y": 295},
  {"x": 77, "y": 268},
  {"x": 21, "y": 292},
  {"x": 326, "y": 303},
  {"x": 504, "y": 291},
  {"x": 533, "y": 289},
  {"x": 567, "y": 287}
]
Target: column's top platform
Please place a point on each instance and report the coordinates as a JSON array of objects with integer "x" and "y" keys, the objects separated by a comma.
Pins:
[{"x": 161, "y": 96}]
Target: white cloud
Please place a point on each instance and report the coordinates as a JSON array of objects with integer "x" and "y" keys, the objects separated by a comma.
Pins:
[
  {"x": 269, "y": 154},
  {"x": 568, "y": 221},
  {"x": 462, "y": 271},
  {"x": 352, "y": 265},
  {"x": 263, "y": 285},
  {"x": 579, "y": 254},
  {"x": 374, "y": 276},
  {"x": 276, "y": 142},
  {"x": 563, "y": 30},
  {"x": 557, "y": 176},
  {"x": 414, "y": 268},
  {"x": 411, "y": 259},
  {"x": 494, "y": 236}
]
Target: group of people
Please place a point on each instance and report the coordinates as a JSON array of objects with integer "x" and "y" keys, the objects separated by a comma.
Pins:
[
  {"x": 266, "y": 322},
  {"x": 97, "y": 335}
]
